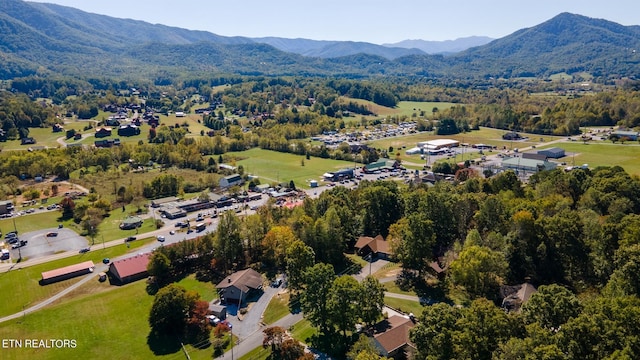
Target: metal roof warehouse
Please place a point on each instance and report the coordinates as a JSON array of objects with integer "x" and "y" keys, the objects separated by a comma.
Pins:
[{"x": 67, "y": 272}]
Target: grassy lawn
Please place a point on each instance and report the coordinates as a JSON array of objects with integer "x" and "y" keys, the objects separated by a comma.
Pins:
[
  {"x": 103, "y": 319},
  {"x": 273, "y": 166},
  {"x": 393, "y": 288},
  {"x": 258, "y": 353},
  {"x": 206, "y": 290},
  {"x": 406, "y": 306},
  {"x": 602, "y": 154},
  {"x": 278, "y": 307},
  {"x": 303, "y": 330},
  {"x": 24, "y": 283}
]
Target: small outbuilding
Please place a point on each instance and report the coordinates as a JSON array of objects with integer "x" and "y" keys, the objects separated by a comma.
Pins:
[
  {"x": 218, "y": 310},
  {"x": 131, "y": 222}
]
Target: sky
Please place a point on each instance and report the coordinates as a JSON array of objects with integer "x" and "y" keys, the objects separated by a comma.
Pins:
[{"x": 374, "y": 21}]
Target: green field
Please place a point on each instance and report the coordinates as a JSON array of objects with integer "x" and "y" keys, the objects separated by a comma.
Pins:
[
  {"x": 408, "y": 108},
  {"x": 102, "y": 319},
  {"x": 26, "y": 290},
  {"x": 603, "y": 154},
  {"x": 276, "y": 167}
]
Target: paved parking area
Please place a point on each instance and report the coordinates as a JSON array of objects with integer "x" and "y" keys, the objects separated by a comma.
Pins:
[{"x": 38, "y": 244}]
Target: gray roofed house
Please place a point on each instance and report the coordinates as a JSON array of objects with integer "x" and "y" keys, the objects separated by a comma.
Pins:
[{"x": 235, "y": 287}]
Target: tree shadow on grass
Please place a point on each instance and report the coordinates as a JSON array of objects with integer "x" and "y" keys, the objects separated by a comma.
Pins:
[{"x": 162, "y": 344}]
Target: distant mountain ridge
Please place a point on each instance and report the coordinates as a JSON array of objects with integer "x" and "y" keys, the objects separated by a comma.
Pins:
[
  {"x": 443, "y": 47},
  {"x": 53, "y": 39}
]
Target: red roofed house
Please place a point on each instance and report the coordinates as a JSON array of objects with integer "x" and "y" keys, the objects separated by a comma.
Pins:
[
  {"x": 377, "y": 246},
  {"x": 391, "y": 337},
  {"x": 235, "y": 287},
  {"x": 130, "y": 269},
  {"x": 67, "y": 272}
]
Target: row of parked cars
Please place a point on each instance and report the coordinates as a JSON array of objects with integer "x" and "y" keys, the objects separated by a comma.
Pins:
[{"x": 12, "y": 238}]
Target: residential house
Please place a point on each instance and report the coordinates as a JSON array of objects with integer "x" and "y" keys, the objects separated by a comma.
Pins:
[
  {"x": 128, "y": 130},
  {"x": 103, "y": 132},
  {"x": 377, "y": 247},
  {"x": 391, "y": 337},
  {"x": 235, "y": 288},
  {"x": 516, "y": 296}
]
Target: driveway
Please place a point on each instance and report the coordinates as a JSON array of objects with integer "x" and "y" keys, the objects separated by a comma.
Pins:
[{"x": 252, "y": 320}]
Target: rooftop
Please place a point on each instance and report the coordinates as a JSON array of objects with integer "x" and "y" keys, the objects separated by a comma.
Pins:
[{"x": 132, "y": 266}]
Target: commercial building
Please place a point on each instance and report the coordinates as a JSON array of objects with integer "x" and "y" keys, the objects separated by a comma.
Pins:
[
  {"x": 231, "y": 180},
  {"x": 130, "y": 269},
  {"x": 527, "y": 165},
  {"x": 67, "y": 272},
  {"x": 554, "y": 153},
  {"x": 338, "y": 175},
  {"x": 438, "y": 144}
]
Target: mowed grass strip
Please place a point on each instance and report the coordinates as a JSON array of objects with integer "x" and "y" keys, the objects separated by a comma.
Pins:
[
  {"x": 277, "y": 309},
  {"x": 21, "y": 287},
  {"x": 272, "y": 166},
  {"x": 406, "y": 306}
]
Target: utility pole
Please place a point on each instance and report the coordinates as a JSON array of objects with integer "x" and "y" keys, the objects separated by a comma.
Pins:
[{"x": 185, "y": 351}]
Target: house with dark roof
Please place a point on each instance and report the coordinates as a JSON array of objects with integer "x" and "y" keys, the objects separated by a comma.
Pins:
[
  {"x": 516, "y": 296},
  {"x": 103, "y": 132},
  {"x": 128, "y": 130},
  {"x": 235, "y": 287},
  {"x": 378, "y": 247},
  {"x": 391, "y": 337},
  {"x": 130, "y": 269}
]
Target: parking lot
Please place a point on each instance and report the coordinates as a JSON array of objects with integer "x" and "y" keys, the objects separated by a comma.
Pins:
[{"x": 38, "y": 244}]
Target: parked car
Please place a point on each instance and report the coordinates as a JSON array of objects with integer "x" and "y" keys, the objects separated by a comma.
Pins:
[
  {"x": 130, "y": 238},
  {"x": 106, "y": 260},
  {"x": 84, "y": 250}
]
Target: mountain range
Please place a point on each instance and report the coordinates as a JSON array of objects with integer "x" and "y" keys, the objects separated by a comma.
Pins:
[{"x": 40, "y": 38}]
